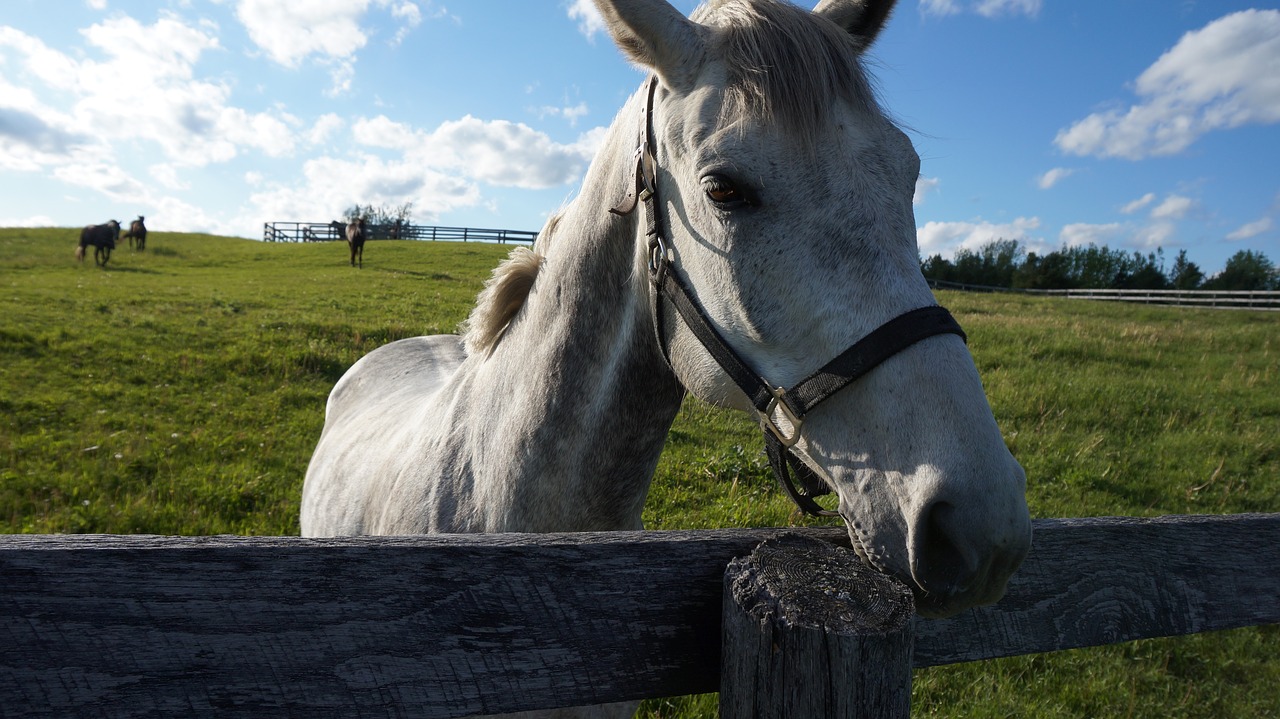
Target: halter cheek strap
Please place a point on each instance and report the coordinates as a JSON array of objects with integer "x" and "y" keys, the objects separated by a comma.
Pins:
[{"x": 769, "y": 400}]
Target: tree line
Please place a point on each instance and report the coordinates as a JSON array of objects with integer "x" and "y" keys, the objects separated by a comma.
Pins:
[
  {"x": 380, "y": 214},
  {"x": 1006, "y": 263}
]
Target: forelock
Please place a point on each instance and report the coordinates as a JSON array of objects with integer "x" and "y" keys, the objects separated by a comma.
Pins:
[{"x": 784, "y": 65}]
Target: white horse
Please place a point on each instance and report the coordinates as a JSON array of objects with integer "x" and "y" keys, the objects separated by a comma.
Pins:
[{"x": 777, "y": 204}]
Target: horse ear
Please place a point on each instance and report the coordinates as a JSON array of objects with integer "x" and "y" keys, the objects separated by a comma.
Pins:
[
  {"x": 862, "y": 19},
  {"x": 657, "y": 36}
]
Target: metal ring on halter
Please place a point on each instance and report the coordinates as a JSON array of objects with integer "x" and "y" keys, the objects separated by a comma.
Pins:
[
  {"x": 778, "y": 403},
  {"x": 657, "y": 253}
]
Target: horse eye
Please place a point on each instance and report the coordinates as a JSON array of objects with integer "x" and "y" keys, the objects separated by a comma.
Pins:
[
  {"x": 722, "y": 194},
  {"x": 722, "y": 191}
]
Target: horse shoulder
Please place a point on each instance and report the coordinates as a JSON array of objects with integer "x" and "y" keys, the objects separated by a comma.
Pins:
[
  {"x": 377, "y": 411},
  {"x": 416, "y": 366}
]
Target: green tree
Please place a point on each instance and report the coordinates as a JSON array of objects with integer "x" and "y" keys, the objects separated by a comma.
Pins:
[
  {"x": 1246, "y": 270},
  {"x": 1185, "y": 274},
  {"x": 1143, "y": 272},
  {"x": 1048, "y": 272},
  {"x": 938, "y": 268}
]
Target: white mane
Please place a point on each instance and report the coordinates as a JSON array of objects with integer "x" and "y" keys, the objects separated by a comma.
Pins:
[{"x": 504, "y": 294}]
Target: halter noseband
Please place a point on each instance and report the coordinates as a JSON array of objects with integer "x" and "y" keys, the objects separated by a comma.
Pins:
[{"x": 865, "y": 355}]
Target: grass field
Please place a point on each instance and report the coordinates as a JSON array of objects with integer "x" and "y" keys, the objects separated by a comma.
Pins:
[{"x": 181, "y": 390}]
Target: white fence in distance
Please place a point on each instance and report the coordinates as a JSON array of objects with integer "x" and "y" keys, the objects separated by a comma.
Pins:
[{"x": 1219, "y": 299}]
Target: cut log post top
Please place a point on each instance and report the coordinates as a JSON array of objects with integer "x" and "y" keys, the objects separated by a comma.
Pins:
[
  {"x": 809, "y": 630},
  {"x": 804, "y": 583}
]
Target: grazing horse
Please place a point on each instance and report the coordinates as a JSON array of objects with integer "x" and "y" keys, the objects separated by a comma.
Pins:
[
  {"x": 745, "y": 234},
  {"x": 103, "y": 238},
  {"x": 137, "y": 231},
  {"x": 355, "y": 240}
]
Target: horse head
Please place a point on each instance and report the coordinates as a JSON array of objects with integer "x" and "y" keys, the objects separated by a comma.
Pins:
[{"x": 785, "y": 207}]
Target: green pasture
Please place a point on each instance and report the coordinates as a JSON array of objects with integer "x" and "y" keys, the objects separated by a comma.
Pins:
[{"x": 181, "y": 390}]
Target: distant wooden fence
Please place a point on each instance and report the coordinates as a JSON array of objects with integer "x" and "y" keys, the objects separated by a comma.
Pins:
[
  {"x": 1222, "y": 299},
  {"x": 446, "y": 626},
  {"x": 330, "y": 231}
]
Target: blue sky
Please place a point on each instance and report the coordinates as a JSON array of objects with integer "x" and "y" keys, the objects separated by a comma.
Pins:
[{"x": 1130, "y": 123}]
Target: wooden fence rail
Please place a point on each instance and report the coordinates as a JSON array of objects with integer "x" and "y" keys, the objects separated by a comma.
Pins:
[
  {"x": 445, "y": 626},
  {"x": 331, "y": 231},
  {"x": 1223, "y": 299}
]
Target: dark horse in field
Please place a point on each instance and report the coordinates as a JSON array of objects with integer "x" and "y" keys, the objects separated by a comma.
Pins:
[
  {"x": 103, "y": 238},
  {"x": 137, "y": 231},
  {"x": 355, "y": 240}
]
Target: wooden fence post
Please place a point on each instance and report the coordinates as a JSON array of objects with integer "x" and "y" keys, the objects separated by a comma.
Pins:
[{"x": 810, "y": 631}]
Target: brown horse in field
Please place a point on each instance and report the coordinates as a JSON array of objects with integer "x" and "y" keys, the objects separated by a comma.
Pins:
[
  {"x": 103, "y": 238},
  {"x": 137, "y": 231},
  {"x": 355, "y": 240}
]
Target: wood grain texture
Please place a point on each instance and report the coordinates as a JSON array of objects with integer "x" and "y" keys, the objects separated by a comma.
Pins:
[
  {"x": 808, "y": 630},
  {"x": 441, "y": 626},
  {"x": 1089, "y": 582},
  {"x": 429, "y": 626}
]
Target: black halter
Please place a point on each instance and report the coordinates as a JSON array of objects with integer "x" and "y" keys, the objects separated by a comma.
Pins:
[{"x": 865, "y": 355}]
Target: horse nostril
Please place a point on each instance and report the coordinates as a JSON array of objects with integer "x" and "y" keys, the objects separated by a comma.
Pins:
[{"x": 944, "y": 563}]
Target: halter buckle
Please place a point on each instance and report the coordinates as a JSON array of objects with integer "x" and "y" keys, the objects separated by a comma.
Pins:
[{"x": 777, "y": 403}]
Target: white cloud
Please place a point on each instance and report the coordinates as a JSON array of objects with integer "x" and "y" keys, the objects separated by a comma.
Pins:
[
  {"x": 108, "y": 179},
  {"x": 96, "y": 4},
  {"x": 35, "y": 136},
  {"x": 1139, "y": 203},
  {"x": 947, "y": 237},
  {"x": 406, "y": 11},
  {"x": 505, "y": 153},
  {"x": 330, "y": 185},
  {"x": 1079, "y": 234},
  {"x": 411, "y": 17},
  {"x": 589, "y": 143},
  {"x": 939, "y": 7},
  {"x": 498, "y": 152},
  {"x": 383, "y": 132},
  {"x": 434, "y": 12},
  {"x": 341, "y": 73},
  {"x": 289, "y": 32},
  {"x": 49, "y": 65},
  {"x": 143, "y": 89},
  {"x": 29, "y": 221},
  {"x": 1052, "y": 177},
  {"x": 324, "y": 128},
  {"x": 924, "y": 185},
  {"x": 1157, "y": 234},
  {"x": 996, "y": 8},
  {"x": 1225, "y": 75},
  {"x": 129, "y": 89},
  {"x": 325, "y": 31},
  {"x": 167, "y": 176},
  {"x": 985, "y": 8},
  {"x": 1174, "y": 207},
  {"x": 570, "y": 113},
  {"x": 1115, "y": 234},
  {"x": 588, "y": 17},
  {"x": 1252, "y": 229}
]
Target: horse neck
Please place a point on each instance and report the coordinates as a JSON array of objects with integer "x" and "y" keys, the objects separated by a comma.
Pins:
[{"x": 591, "y": 397}]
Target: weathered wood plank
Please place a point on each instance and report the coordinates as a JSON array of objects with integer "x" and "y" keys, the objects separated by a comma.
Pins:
[
  {"x": 1098, "y": 581},
  {"x": 810, "y": 631},
  {"x": 369, "y": 627},
  {"x": 442, "y": 626}
]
